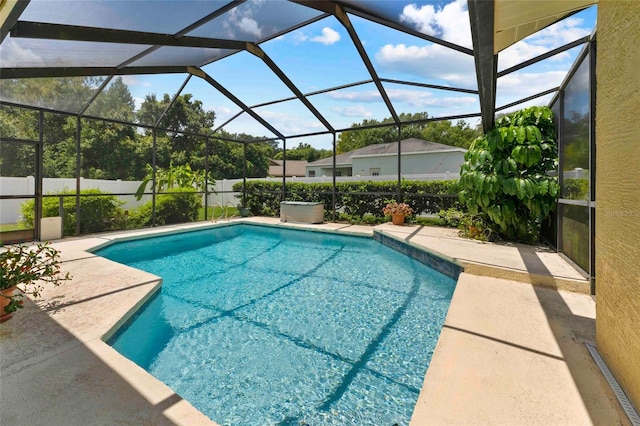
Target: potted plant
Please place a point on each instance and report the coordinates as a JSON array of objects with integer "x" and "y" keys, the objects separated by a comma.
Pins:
[
  {"x": 397, "y": 211},
  {"x": 244, "y": 211},
  {"x": 25, "y": 270}
]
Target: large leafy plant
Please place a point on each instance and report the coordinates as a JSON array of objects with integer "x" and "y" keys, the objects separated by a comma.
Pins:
[
  {"x": 181, "y": 176},
  {"x": 506, "y": 173}
]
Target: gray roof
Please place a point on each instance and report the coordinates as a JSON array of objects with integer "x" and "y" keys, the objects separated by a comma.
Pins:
[
  {"x": 409, "y": 145},
  {"x": 294, "y": 167}
]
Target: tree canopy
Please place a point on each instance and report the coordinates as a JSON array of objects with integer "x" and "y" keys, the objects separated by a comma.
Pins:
[
  {"x": 460, "y": 134},
  {"x": 304, "y": 151},
  {"x": 111, "y": 150}
]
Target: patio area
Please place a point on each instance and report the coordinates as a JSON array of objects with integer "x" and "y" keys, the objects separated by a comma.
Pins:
[{"x": 510, "y": 352}]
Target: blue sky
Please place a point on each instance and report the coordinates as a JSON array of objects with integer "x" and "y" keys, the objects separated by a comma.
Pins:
[{"x": 322, "y": 55}]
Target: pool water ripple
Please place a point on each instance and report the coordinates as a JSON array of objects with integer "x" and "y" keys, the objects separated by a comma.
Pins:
[{"x": 258, "y": 325}]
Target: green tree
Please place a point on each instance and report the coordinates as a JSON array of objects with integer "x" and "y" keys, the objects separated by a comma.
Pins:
[
  {"x": 114, "y": 102},
  {"x": 66, "y": 94},
  {"x": 460, "y": 134},
  {"x": 108, "y": 149},
  {"x": 226, "y": 158},
  {"x": 19, "y": 123},
  {"x": 185, "y": 115},
  {"x": 151, "y": 110},
  {"x": 444, "y": 132},
  {"x": 112, "y": 150},
  {"x": 304, "y": 151},
  {"x": 61, "y": 93},
  {"x": 505, "y": 173}
]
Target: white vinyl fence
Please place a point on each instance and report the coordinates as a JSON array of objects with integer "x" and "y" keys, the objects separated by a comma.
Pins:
[{"x": 10, "y": 209}]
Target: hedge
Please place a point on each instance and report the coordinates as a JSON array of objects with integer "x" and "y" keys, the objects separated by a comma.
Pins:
[
  {"x": 355, "y": 199},
  {"x": 98, "y": 212},
  {"x": 177, "y": 205},
  {"x": 575, "y": 189}
]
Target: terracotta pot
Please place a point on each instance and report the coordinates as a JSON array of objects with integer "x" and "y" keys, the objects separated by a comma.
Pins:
[
  {"x": 4, "y": 302},
  {"x": 397, "y": 219}
]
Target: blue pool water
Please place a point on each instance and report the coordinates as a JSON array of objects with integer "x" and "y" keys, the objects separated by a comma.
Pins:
[{"x": 258, "y": 325}]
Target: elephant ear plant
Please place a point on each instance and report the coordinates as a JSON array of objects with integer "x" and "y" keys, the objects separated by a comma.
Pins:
[
  {"x": 30, "y": 268},
  {"x": 506, "y": 173}
]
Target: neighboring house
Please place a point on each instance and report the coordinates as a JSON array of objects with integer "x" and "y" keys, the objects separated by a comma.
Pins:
[
  {"x": 418, "y": 157},
  {"x": 294, "y": 168}
]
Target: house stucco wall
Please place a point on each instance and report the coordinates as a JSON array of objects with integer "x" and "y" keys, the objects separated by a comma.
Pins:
[
  {"x": 436, "y": 162},
  {"x": 618, "y": 192},
  {"x": 328, "y": 171},
  {"x": 426, "y": 163},
  {"x": 419, "y": 163}
]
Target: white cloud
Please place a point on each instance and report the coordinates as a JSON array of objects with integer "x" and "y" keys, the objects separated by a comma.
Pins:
[
  {"x": 518, "y": 85},
  {"x": 138, "y": 102},
  {"x": 414, "y": 98},
  {"x": 555, "y": 35},
  {"x": 133, "y": 80},
  {"x": 250, "y": 26},
  {"x": 289, "y": 123},
  {"x": 223, "y": 113},
  {"x": 518, "y": 53},
  {"x": 561, "y": 32},
  {"x": 241, "y": 19},
  {"x": 541, "y": 101},
  {"x": 328, "y": 37},
  {"x": 441, "y": 65},
  {"x": 12, "y": 55},
  {"x": 430, "y": 61},
  {"x": 223, "y": 110},
  {"x": 300, "y": 37},
  {"x": 353, "y": 111},
  {"x": 349, "y": 96},
  {"x": 421, "y": 99},
  {"x": 450, "y": 22}
]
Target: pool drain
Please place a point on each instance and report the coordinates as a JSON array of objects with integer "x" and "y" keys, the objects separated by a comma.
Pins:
[{"x": 622, "y": 397}]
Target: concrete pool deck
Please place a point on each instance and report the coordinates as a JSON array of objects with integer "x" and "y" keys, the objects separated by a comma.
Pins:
[{"x": 510, "y": 352}]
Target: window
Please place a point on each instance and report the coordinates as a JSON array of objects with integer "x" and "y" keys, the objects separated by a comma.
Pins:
[
  {"x": 312, "y": 173},
  {"x": 338, "y": 173},
  {"x": 375, "y": 171}
]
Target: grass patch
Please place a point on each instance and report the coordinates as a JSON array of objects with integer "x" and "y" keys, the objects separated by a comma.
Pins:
[
  {"x": 428, "y": 221},
  {"x": 217, "y": 212},
  {"x": 7, "y": 227}
]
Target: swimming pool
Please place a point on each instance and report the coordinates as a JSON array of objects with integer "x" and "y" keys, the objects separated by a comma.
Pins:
[{"x": 260, "y": 325}]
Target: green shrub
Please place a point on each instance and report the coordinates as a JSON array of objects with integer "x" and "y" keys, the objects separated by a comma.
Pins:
[
  {"x": 476, "y": 226},
  {"x": 357, "y": 202},
  {"x": 575, "y": 189},
  {"x": 367, "y": 219},
  {"x": 177, "y": 205},
  {"x": 451, "y": 217},
  {"x": 426, "y": 221},
  {"x": 505, "y": 173},
  {"x": 98, "y": 212}
]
